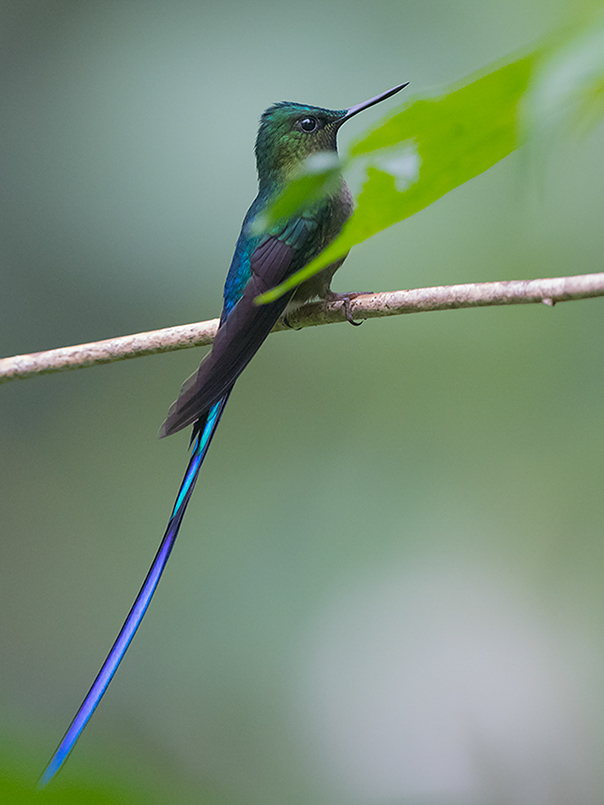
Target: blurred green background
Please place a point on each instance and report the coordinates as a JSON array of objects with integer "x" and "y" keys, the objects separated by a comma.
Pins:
[{"x": 388, "y": 587}]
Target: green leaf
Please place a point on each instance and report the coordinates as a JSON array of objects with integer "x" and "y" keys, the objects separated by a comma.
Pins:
[
  {"x": 422, "y": 152},
  {"x": 567, "y": 92},
  {"x": 435, "y": 144},
  {"x": 18, "y": 792}
]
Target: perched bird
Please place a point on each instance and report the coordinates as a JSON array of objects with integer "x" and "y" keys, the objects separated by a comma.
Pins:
[{"x": 289, "y": 133}]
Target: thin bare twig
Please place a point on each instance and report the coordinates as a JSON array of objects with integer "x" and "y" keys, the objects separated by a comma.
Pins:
[{"x": 366, "y": 306}]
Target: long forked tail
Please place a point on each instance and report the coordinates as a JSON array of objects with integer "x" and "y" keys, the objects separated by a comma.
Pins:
[{"x": 201, "y": 442}]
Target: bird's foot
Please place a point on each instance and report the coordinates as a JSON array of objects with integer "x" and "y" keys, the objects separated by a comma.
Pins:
[
  {"x": 288, "y": 324},
  {"x": 346, "y": 298}
]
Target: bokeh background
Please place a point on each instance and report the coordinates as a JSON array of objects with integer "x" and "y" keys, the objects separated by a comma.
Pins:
[{"x": 388, "y": 587}]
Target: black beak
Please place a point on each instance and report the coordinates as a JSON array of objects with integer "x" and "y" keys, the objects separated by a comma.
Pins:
[{"x": 371, "y": 102}]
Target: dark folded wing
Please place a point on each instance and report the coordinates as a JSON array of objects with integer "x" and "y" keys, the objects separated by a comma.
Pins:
[{"x": 245, "y": 328}]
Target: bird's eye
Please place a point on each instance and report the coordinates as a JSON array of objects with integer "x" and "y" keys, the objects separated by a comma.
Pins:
[{"x": 308, "y": 124}]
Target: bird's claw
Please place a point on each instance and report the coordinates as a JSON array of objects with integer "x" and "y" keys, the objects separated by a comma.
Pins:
[
  {"x": 346, "y": 299},
  {"x": 286, "y": 322},
  {"x": 348, "y": 314}
]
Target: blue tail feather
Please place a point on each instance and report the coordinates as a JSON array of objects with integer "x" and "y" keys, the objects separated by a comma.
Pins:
[{"x": 200, "y": 443}]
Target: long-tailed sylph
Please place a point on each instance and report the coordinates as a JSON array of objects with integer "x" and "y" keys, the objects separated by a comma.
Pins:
[{"x": 289, "y": 133}]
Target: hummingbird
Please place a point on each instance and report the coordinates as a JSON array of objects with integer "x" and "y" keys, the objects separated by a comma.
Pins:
[{"x": 289, "y": 133}]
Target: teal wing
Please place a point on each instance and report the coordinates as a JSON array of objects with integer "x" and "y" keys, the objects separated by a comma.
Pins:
[{"x": 247, "y": 324}]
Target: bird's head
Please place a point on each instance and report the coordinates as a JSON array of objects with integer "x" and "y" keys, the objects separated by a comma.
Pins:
[{"x": 290, "y": 132}]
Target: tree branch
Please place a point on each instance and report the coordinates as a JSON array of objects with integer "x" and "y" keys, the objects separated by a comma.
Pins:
[{"x": 366, "y": 306}]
